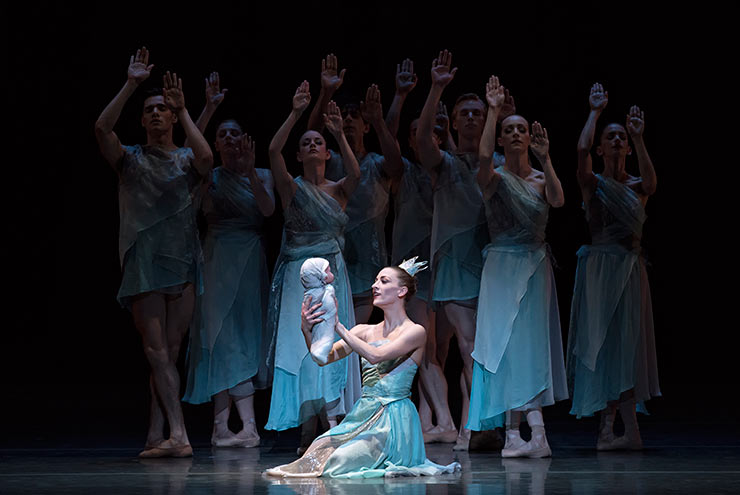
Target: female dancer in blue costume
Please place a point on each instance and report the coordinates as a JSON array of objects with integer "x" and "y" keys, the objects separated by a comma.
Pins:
[
  {"x": 225, "y": 341},
  {"x": 314, "y": 223},
  {"x": 382, "y": 435},
  {"x": 365, "y": 247},
  {"x": 518, "y": 349},
  {"x": 611, "y": 343},
  {"x": 159, "y": 249}
]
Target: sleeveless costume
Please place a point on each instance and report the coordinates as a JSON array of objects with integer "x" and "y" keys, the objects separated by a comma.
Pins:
[
  {"x": 611, "y": 342},
  {"x": 518, "y": 349},
  {"x": 381, "y": 436},
  {"x": 158, "y": 238},
  {"x": 458, "y": 229},
  {"x": 314, "y": 225},
  {"x": 227, "y": 334},
  {"x": 412, "y": 227},
  {"x": 365, "y": 247}
]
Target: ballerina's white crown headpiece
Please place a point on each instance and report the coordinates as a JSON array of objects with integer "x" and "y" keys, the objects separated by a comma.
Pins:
[{"x": 410, "y": 266}]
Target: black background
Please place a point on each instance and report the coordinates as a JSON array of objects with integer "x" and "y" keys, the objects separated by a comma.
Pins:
[{"x": 72, "y": 368}]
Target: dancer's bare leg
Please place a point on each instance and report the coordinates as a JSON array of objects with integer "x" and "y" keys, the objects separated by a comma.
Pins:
[
  {"x": 155, "y": 435},
  {"x": 161, "y": 340},
  {"x": 463, "y": 319},
  {"x": 432, "y": 380}
]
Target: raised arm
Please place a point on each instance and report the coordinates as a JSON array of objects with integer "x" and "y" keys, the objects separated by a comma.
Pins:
[
  {"x": 262, "y": 186},
  {"x": 372, "y": 111},
  {"x": 175, "y": 99},
  {"x": 139, "y": 70},
  {"x": 335, "y": 124},
  {"x": 214, "y": 97},
  {"x": 405, "y": 82},
  {"x": 330, "y": 82},
  {"x": 495, "y": 96},
  {"x": 635, "y": 127},
  {"x": 540, "y": 146},
  {"x": 443, "y": 122},
  {"x": 283, "y": 180},
  {"x": 410, "y": 340},
  {"x": 429, "y": 153},
  {"x": 597, "y": 100}
]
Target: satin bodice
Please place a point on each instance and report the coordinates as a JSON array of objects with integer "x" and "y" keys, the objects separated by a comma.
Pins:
[{"x": 390, "y": 380}]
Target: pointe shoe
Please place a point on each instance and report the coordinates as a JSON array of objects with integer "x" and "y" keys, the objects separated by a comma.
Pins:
[
  {"x": 156, "y": 452},
  {"x": 513, "y": 446},
  {"x": 536, "y": 448},
  {"x": 232, "y": 441},
  {"x": 247, "y": 441}
]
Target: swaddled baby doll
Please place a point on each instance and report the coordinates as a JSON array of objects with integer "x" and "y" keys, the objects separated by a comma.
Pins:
[{"x": 316, "y": 277}]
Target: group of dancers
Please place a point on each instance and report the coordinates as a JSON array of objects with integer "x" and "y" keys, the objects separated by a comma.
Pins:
[{"x": 478, "y": 216}]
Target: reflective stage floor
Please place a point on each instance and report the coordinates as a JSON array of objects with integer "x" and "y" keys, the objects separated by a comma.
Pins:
[{"x": 678, "y": 458}]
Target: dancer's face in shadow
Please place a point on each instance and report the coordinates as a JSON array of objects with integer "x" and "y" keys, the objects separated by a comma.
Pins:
[{"x": 312, "y": 147}]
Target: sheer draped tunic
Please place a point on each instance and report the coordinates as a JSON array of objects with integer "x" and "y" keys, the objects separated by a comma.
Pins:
[
  {"x": 314, "y": 228},
  {"x": 611, "y": 341},
  {"x": 226, "y": 337},
  {"x": 158, "y": 236},
  {"x": 365, "y": 248},
  {"x": 518, "y": 349}
]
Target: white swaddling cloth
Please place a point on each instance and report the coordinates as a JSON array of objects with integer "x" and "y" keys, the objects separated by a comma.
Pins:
[{"x": 313, "y": 278}]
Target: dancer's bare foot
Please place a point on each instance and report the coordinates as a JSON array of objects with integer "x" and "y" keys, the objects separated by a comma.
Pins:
[
  {"x": 167, "y": 448},
  {"x": 438, "y": 435},
  {"x": 463, "y": 440},
  {"x": 153, "y": 442}
]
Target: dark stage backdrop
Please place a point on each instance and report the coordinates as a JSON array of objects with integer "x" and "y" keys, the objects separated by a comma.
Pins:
[{"x": 72, "y": 365}]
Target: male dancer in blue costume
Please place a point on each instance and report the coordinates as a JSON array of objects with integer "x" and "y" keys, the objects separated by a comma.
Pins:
[
  {"x": 518, "y": 345},
  {"x": 611, "y": 343},
  {"x": 412, "y": 232},
  {"x": 459, "y": 226},
  {"x": 159, "y": 248},
  {"x": 365, "y": 248}
]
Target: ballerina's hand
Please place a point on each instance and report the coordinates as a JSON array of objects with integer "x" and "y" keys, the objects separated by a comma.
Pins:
[
  {"x": 214, "y": 93},
  {"x": 310, "y": 314},
  {"x": 540, "y": 144}
]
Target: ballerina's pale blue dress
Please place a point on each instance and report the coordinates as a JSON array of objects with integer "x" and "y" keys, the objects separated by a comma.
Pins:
[
  {"x": 365, "y": 248},
  {"x": 412, "y": 227},
  {"x": 518, "y": 349},
  {"x": 158, "y": 240},
  {"x": 458, "y": 229},
  {"x": 314, "y": 224},
  {"x": 611, "y": 342},
  {"x": 381, "y": 436},
  {"x": 227, "y": 333}
]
